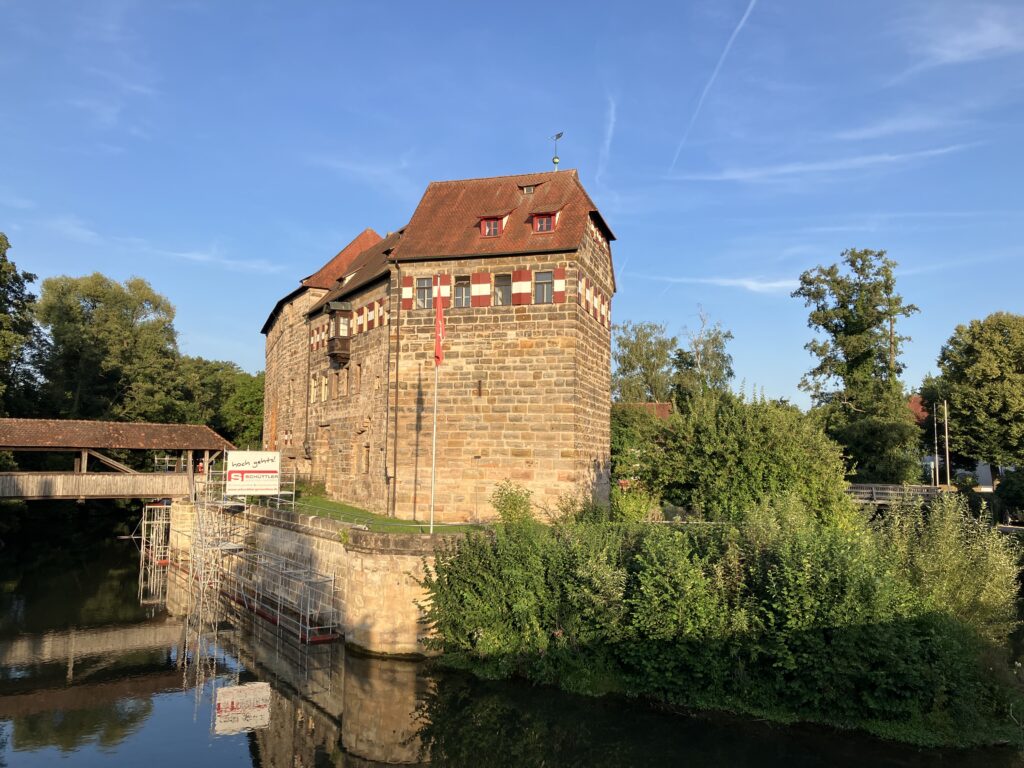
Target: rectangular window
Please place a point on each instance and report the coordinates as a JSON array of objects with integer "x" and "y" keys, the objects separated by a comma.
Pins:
[
  {"x": 463, "y": 291},
  {"x": 490, "y": 227},
  {"x": 424, "y": 293},
  {"x": 543, "y": 288},
  {"x": 502, "y": 290},
  {"x": 312, "y": 388},
  {"x": 366, "y": 458},
  {"x": 323, "y": 388},
  {"x": 543, "y": 222},
  {"x": 344, "y": 383}
]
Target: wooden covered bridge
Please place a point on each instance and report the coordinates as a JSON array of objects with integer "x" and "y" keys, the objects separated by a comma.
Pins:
[{"x": 108, "y": 478}]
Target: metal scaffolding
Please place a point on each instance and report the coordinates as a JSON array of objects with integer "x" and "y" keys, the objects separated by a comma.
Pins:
[{"x": 226, "y": 563}]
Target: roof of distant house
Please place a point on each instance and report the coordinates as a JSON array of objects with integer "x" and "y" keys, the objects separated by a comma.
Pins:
[
  {"x": 916, "y": 406},
  {"x": 42, "y": 434}
]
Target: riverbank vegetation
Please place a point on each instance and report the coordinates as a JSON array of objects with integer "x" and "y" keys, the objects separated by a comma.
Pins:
[{"x": 897, "y": 627}]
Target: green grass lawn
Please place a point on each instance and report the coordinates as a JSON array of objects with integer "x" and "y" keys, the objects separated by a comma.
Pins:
[{"x": 312, "y": 504}]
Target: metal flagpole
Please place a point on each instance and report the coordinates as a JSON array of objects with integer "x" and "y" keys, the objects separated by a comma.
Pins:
[
  {"x": 935, "y": 427},
  {"x": 438, "y": 356},
  {"x": 433, "y": 452},
  {"x": 945, "y": 421}
]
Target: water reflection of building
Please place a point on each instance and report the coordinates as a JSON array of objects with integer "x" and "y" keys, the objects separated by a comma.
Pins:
[{"x": 328, "y": 706}]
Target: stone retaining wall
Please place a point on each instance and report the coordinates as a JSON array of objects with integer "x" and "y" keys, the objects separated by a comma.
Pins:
[{"x": 377, "y": 575}]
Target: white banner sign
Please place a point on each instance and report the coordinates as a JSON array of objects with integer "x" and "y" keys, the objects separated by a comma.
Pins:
[
  {"x": 242, "y": 708},
  {"x": 253, "y": 473}
]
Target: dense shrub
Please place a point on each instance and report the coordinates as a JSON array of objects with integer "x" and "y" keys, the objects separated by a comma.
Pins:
[
  {"x": 723, "y": 455},
  {"x": 888, "y": 626}
]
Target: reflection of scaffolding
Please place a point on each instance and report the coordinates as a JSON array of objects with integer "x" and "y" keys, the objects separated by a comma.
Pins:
[{"x": 154, "y": 553}]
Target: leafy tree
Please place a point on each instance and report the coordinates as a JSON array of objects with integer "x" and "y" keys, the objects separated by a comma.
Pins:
[
  {"x": 642, "y": 354},
  {"x": 17, "y": 334},
  {"x": 856, "y": 383},
  {"x": 703, "y": 364},
  {"x": 112, "y": 349},
  {"x": 242, "y": 411},
  {"x": 982, "y": 374}
]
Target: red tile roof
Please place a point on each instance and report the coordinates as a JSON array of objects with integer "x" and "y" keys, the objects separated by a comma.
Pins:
[
  {"x": 447, "y": 220},
  {"x": 332, "y": 271},
  {"x": 67, "y": 433},
  {"x": 367, "y": 267},
  {"x": 916, "y": 406}
]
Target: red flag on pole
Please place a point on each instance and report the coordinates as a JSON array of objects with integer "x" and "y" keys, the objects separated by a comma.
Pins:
[{"x": 439, "y": 333}]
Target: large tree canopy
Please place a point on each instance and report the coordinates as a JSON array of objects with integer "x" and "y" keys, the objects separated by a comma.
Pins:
[
  {"x": 855, "y": 384},
  {"x": 17, "y": 331},
  {"x": 642, "y": 354},
  {"x": 113, "y": 349},
  {"x": 982, "y": 368},
  {"x": 703, "y": 364}
]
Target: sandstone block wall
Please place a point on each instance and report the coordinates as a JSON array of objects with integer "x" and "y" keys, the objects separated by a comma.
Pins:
[{"x": 286, "y": 388}]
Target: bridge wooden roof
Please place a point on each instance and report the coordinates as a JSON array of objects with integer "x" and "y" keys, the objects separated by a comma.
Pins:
[{"x": 67, "y": 434}]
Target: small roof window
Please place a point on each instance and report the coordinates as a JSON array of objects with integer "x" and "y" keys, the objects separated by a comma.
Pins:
[
  {"x": 491, "y": 227},
  {"x": 544, "y": 222}
]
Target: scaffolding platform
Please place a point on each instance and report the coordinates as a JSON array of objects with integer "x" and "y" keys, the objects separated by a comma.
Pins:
[{"x": 224, "y": 562}]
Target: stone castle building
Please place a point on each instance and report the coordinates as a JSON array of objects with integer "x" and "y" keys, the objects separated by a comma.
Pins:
[{"x": 522, "y": 266}]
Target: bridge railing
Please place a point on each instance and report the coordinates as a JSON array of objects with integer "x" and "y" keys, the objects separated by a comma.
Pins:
[
  {"x": 92, "y": 485},
  {"x": 874, "y": 493}
]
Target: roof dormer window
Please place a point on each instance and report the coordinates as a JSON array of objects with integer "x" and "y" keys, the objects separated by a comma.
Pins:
[
  {"x": 528, "y": 189},
  {"x": 543, "y": 222},
  {"x": 490, "y": 227}
]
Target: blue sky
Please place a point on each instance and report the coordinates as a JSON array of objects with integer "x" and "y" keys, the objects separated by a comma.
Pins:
[{"x": 222, "y": 150}]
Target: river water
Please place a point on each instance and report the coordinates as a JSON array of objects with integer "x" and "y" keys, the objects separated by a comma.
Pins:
[{"x": 91, "y": 676}]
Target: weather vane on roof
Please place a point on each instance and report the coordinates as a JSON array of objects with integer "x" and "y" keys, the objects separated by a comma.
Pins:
[{"x": 555, "y": 139}]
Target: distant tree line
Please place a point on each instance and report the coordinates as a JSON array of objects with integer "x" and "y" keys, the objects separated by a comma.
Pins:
[
  {"x": 93, "y": 348},
  {"x": 859, "y": 400}
]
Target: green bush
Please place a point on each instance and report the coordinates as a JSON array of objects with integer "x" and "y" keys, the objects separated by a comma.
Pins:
[
  {"x": 633, "y": 505},
  {"x": 891, "y": 627},
  {"x": 511, "y": 502},
  {"x": 723, "y": 455},
  {"x": 1010, "y": 494}
]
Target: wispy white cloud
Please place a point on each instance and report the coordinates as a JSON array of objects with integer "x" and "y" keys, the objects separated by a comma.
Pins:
[
  {"x": 754, "y": 284},
  {"x": 9, "y": 199},
  {"x": 214, "y": 257},
  {"x": 606, "y": 144},
  {"x": 762, "y": 173},
  {"x": 105, "y": 113},
  {"x": 76, "y": 229},
  {"x": 962, "y": 32},
  {"x": 73, "y": 228},
  {"x": 900, "y": 124},
  {"x": 393, "y": 178},
  {"x": 130, "y": 85},
  {"x": 711, "y": 81}
]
